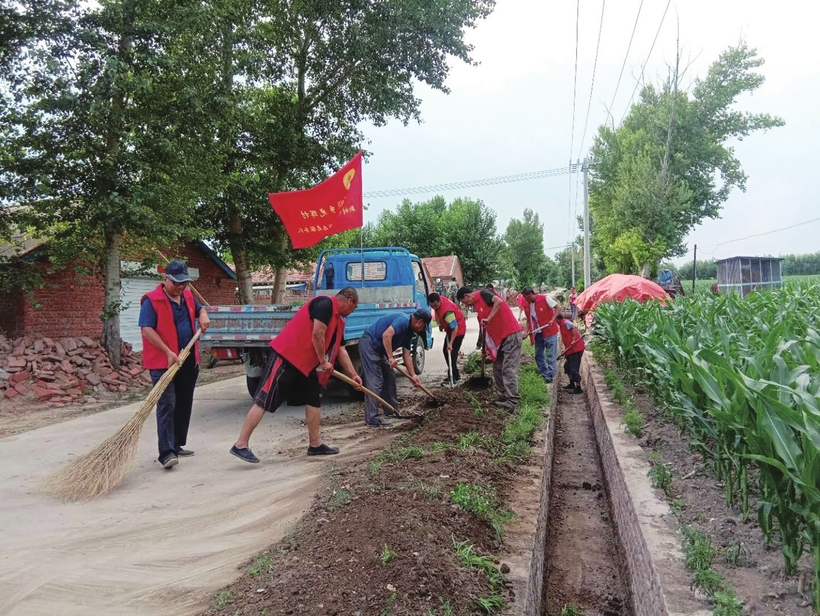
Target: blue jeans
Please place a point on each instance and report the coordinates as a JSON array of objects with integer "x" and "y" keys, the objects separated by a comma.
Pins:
[
  {"x": 174, "y": 408},
  {"x": 546, "y": 366}
]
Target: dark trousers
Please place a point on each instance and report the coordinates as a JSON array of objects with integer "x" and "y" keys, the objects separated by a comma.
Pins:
[
  {"x": 378, "y": 377},
  {"x": 174, "y": 408},
  {"x": 452, "y": 360},
  {"x": 572, "y": 366}
]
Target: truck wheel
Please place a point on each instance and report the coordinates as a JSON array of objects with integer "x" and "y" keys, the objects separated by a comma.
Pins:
[
  {"x": 418, "y": 356},
  {"x": 253, "y": 384}
]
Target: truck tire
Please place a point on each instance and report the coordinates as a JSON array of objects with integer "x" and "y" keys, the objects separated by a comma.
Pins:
[
  {"x": 418, "y": 355},
  {"x": 253, "y": 384}
]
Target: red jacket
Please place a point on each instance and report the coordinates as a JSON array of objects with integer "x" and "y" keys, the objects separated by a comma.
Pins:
[
  {"x": 571, "y": 338},
  {"x": 545, "y": 315},
  {"x": 295, "y": 342},
  {"x": 448, "y": 306},
  {"x": 152, "y": 357},
  {"x": 503, "y": 324}
]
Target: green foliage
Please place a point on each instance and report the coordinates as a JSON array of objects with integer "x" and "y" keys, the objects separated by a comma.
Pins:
[
  {"x": 483, "y": 502},
  {"x": 478, "y": 411},
  {"x": 389, "y": 609},
  {"x": 473, "y": 363},
  {"x": 735, "y": 554},
  {"x": 571, "y": 610},
  {"x": 471, "y": 440},
  {"x": 387, "y": 555},
  {"x": 470, "y": 558},
  {"x": 531, "y": 386},
  {"x": 659, "y": 474},
  {"x": 727, "y": 604},
  {"x": 261, "y": 564},
  {"x": 223, "y": 598},
  {"x": 654, "y": 177},
  {"x": 524, "y": 241},
  {"x": 633, "y": 420},
  {"x": 339, "y": 498}
]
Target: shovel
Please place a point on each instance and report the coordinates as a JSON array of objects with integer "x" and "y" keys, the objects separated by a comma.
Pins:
[
  {"x": 433, "y": 398},
  {"x": 481, "y": 381},
  {"x": 353, "y": 383}
]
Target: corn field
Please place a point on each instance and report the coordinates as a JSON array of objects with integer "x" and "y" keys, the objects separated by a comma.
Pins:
[{"x": 741, "y": 379}]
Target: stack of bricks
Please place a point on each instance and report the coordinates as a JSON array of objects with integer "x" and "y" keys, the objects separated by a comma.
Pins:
[{"x": 65, "y": 371}]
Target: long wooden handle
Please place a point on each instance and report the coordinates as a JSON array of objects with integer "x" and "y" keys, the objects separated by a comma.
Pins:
[
  {"x": 163, "y": 382},
  {"x": 191, "y": 285},
  {"x": 420, "y": 386},
  {"x": 350, "y": 381}
]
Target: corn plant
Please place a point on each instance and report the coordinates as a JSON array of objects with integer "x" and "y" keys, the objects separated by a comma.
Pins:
[{"x": 741, "y": 378}]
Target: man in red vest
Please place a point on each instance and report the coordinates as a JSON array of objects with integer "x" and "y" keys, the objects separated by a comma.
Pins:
[
  {"x": 450, "y": 319},
  {"x": 574, "y": 347},
  {"x": 502, "y": 339},
  {"x": 543, "y": 331},
  {"x": 168, "y": 320},
  {"x": 296, "y": 365}
]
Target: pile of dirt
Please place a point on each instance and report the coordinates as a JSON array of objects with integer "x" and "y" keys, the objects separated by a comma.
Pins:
[
  {"x": 65, "y": 371},
  {"x": 386, "y": 536}
]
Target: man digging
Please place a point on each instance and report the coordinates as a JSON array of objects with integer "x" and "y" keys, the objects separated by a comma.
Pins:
[
  {"x": 450, "y": 319},
  {"x": 301, "y": 360}
]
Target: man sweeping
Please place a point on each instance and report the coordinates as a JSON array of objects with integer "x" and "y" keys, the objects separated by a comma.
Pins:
[
  {"x": 502, "y": 340},
  {"x": 574, "y": 347},
  {"x": 376, "y": 348},
  {"x": 543, "y": 331},
  {"x": 301, "y": 359},
  {"x": 450, "y": 319},
  {"x": 168, "y": 320}
]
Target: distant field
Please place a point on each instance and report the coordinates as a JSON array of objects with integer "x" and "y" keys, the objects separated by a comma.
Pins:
[{"x": 705, "y": 286}]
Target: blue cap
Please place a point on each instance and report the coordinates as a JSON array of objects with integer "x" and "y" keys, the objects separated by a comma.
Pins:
[
  {"x": 177, "y": 271},
  {"x": 423, "y": 314}
]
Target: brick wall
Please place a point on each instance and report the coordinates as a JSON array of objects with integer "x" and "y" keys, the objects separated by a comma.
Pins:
[
  {"x": 213, "y": 284},
  {"x": 11, "y": 310}
]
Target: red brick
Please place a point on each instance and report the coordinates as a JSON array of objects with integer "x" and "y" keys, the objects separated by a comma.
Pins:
[
  {"x": 21, "y": 388},
  {"x": 20, "y": 376},
  {"x": 11, "y": 394},
  {"x": 74, "y": 392},
  {"x": 43, "y": 394}
]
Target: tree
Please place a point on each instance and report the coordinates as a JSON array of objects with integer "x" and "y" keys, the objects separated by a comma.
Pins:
[
  {"x": 656, "y": 176},
  {"x": 470, "y": 232},
  {"x": 524, "y": 240},
  {"x": 418, "y": 227}
]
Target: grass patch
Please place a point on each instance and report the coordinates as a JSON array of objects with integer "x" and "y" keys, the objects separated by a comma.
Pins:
[
  {"x": 659, "y": 474},
  {"x": 633, "y": 420},
  {"x": 699, "y": 554},
  {"x": 402, "y": 452},
  {"x": 439, "y": 446},
  {"x": 531, "y": 386},
  {"x": 387, "y": 610},
  {"x": 387, "y": 555},
  {"x": 446, "y": 609},
  {"x": 571, "y": 610},
  {"x": 340, "y": 498},
  {"x": 478, "y": 411},
  {"x": 482, "y": 501},
  {"x": 470, "y": 441},
  {"x": 470, "y": 558},
  {"x": 473, "y": 363},
  {"x": 735, "y": 554},
  {"x": 223, "y": 599},
  {"x": 261, "y": 564},
  {"x": 727, "y": 604}
]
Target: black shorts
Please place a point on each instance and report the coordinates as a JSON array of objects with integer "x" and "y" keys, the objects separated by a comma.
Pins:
[{"x": 282, "y": 381}]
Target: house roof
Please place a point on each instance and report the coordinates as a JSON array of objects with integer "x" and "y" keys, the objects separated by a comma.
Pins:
[
  {"x": 760, "y": 258},
  {"x": 443, "y": 267}
]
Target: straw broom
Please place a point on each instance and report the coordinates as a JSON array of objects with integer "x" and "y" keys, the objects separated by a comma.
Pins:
[{"x": 100, "y": 470}]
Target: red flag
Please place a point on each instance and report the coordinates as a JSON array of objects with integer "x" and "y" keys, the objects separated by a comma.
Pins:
[{"x": 333, "y": 206}]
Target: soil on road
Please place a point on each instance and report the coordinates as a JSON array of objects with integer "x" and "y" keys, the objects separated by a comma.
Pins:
[{"x": 164, "y": 541}]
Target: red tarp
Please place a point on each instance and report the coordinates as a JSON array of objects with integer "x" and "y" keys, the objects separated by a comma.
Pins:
[{"x": 618, "y": 287}]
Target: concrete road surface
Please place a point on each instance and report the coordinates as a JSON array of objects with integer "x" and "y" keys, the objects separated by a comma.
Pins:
[{"x": 164, "y": 541}]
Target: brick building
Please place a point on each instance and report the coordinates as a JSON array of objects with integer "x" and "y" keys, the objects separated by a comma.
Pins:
[
  {"x": 70, "y": 303},
  {"x": 446, "y": 268}
]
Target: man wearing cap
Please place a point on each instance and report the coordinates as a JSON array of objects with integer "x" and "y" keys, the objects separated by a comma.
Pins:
[
  {"x": 450, "y": 319},
  {"x": 376, "y": 352},
  {"x": 543, "y": 331},
  {"x": 168, "y": 320},
  {"x": 301, "y": 359},
  {"x": 502, "y": 341}
]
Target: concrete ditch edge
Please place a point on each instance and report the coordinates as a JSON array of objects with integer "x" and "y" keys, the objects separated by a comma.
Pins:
[{"x": 658, "y": 581}]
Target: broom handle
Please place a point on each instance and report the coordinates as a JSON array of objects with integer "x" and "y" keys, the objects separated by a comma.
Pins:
[
  {"x": 350, "y": 381},
  {"x": 191, "y": 285},
  {"x": 167, "y": 377},
  {"x": 404, "y": 371}
]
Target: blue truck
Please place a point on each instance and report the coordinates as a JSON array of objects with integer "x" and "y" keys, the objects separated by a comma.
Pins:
[{"x": 389, "y": 281}]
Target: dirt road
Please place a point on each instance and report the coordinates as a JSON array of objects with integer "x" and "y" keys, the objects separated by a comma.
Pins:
[{"x": 164, "y": 541}]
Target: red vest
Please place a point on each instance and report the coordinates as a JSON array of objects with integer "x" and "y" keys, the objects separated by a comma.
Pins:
[
  {"x": 572, "y": 338},
  {"x": 152, "y": 357},
  {"x": 448, "y": 306},
  {"x": 545, "y": 314},
  {"x": 503, "y": 324},
  {"x": 295, "y": 342}
]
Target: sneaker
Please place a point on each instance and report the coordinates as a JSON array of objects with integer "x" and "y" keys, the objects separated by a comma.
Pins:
[
  {"x": 184, "y": 453},
  {"x": 570, "y": 386},
  {"x": 503, "y": 405},
  {"x": 245, "y": 454},
  {"x": 169, "y": 462},
  {"x": 379, "y": 422},
  {"x": 322, "y": 450},
  {"x": 577, "y": 390}
]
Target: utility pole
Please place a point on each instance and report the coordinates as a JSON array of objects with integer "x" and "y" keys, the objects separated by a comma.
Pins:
[
  {"x": 587, "y": 274},
  {"x": 694, "y": 269}
]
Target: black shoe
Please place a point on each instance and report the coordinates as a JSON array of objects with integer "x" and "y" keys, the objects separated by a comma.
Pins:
[
  {"x": 577, "y": 390},
  {"x": 169, "y": 462},
  {"x": 244, "y": 454},
  {"x": 570, "y": 386},
  {"x": 184, "y": 453},
  {"x": 379, "y": 422},
  {"x": 322, "y": 450}
]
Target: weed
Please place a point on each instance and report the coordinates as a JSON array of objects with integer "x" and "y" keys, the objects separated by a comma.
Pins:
[
  {"x": 708, "y": 580},
  {"x": 469, "y": 558},
  {"x": 633, "y": 420},
  {"x": 340, "y": 498},
  {"x": 477, "y": 410},
  {"x": 386, "y": 611},
  {"x": 727, "y": 604},
  {"x": 483, "y": 502},
  {"x": 374, "y": 466},
  {"x": 262, "y": 564},
  {"x": 387, "y": 555},
  {"x": 446, "y": 608},
  {"x": 736, "y": 553},
  {"x": 659, "y": 474},
  {"x": 677, "y": 507},
  {"x": 615, "y": 386},
  {"x": 223, "y": 599},
  {"x": 571, "y": 610},
  {"x": 523, "y": 425},
  {"x": 491, "y": 604},
  {"x": 531, "y": 386},
  {"x": 469, "y": 441},
  {"x": 439, "y": 446},
  {"x": 473, "y": 363},
  {"x": 290, "y": 538},
  {"x": 698, "y": 550},
  {"x": 518, "y": 452}
]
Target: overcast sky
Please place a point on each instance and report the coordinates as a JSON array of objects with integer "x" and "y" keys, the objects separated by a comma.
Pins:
[{"x": 513, "y": 113}]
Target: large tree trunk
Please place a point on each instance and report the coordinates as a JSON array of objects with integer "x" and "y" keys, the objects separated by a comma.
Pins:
[
  {"x": 113, "y": 299},
  {"x": 280, "y": 279},
  {"x": 240, "y": 256}
]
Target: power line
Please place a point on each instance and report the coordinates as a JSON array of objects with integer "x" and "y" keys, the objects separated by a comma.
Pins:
[
  {"x": 626, "y": 56},
  {"x": 575, "y": 80},
  {"x": 748, "y": 237},
  {"x": 504, "y": 179},
  {"x": 592, "y": 85},
  {"x": 640, "y": 79}
]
